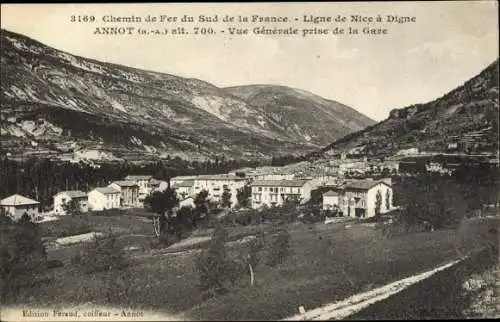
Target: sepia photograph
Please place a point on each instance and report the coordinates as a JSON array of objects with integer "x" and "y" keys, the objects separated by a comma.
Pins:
[{"x": 249, "y": 161}]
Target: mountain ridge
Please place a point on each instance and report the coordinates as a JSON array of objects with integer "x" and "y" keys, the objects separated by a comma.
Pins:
[
  {"x": 466, "y": 116},
  {"x": 39, "y": 81}
]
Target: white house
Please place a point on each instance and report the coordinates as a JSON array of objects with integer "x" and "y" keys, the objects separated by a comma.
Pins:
[
  {"x": 64, "y": 197},
  {"x": 158, "y": 185},
  {"x": 16, "y": 206},
  {"x": 184, "y": 188},
  {"x": 104, "y": 198},
  {"x": 274, "y": 176},
  {"x": 276, "y": 192},
  {"x": 186, "y": 202},
  {"x": 330, "y": 200},
  {"x": 358, "y": 198},
  {"x": 409, "y": 151},
  {"x": 216, "y": 184},
  {"x": 179, "y": 179}
]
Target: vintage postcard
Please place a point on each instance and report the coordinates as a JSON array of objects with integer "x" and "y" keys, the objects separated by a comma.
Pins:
[{"x": 249, "y": 161}]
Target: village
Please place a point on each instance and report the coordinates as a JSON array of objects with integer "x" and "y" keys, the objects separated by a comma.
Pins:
[
  {"x": 268, "y": 187},
  {"x": 320, "y": 221},
  {"x": 347, "y": 185}
]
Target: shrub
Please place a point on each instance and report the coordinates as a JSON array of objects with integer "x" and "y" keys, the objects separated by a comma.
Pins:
[
  {"x": 22, "y": 256},
  {"x": 67, "y": 226},
  {"x": 280, "y": 248},
  {"x": 215, "y": 270},
  {"x": 103, "y": 254}
]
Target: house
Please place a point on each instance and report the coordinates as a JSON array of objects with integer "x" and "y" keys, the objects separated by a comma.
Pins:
[
  {"x": 330, "y": 200},
  {"x": 157, "y": 185},
  {"x": 358, "y": 198},
  {"x": 145, "y": 185},
  {"x": 179, "y": 179},
  {"x": 276, "y": 192},
  {"x": 64, "y": 197},
  {"x": 409, "y": 151},
  {"x": 184, "y": 188},
  {"x": 129, "y": 192},
  {"x": 16, "y": 206},
  {"x": 274, "y": 176},
  {"x": 104, "y": 198},
  {"x": 215, "y": 185},
  {"x": 187, "y": 202}
]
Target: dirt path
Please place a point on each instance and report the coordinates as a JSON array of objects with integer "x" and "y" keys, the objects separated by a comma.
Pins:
[{"x": 357, "y": 302}]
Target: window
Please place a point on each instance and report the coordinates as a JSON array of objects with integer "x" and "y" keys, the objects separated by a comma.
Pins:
[{"x": 259, "y": 189}]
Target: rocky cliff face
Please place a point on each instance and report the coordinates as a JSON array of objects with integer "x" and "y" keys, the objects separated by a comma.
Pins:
[
  {"x": 54, "y": 102},
  {"x": 463, "y": 120}
]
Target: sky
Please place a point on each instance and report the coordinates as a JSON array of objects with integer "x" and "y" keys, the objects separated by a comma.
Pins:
[{"x": 416, "y": 62}]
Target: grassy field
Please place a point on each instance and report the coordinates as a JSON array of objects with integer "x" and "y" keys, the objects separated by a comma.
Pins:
[{"x": 327, "y": 263}]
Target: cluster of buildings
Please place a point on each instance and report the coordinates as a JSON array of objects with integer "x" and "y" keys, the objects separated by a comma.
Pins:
[
  {"x": 360, "y": 198},
  {"x": 264, "y": 188},
  {"x": 127, "y": 193}
]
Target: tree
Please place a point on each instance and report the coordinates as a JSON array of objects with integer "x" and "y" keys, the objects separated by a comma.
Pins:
[
  {"x": 183, "y": 221},
  {"x": 160, "y": 202},
  {"x": 388, "y": 199},
  {"x": 22, "y": 255},
  {"x": 72, "y": 207},
  {"x": 378, "y": 202},
  {"x": 226, "y": 199},
  {"x": 201, "y": 205},
  {"x": 5, "y": 219},
  {"x": 256, "y": 246},
  {"x": 280, "y": 248},
  {"x": 213, "y": 265},
  {"x": 243, "y": 196},
  {"x": 102, "y": 254}
]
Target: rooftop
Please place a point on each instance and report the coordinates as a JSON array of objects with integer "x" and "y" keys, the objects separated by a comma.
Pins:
[
  {"x": 155, "y": 182},
  {"x": 279, "y": 183},
  {"x": 125, "y": 183},
  {"x": 219, "y": 177},
  {"x": 135, "y": 177},
  {"x": 74, "y": 193},
  {"x": 184, "y": 184},
  {"x": 106, "y": 190},
  {"x": 17, "y": 200},
  {"x": 363, "y": 184},
  {"x": 330, "y": 193}
]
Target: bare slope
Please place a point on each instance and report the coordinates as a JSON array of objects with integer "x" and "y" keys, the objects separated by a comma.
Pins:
[
  {"x": 467, "y": 116},
  {"x": 51, "y": 99}
]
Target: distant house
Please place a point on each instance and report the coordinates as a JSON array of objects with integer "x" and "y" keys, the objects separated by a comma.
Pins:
[
  {"x": 274, "y": 176},
  {"x": 104, "y": 198},
  {"x": 129, "y": 192},
  {"x": 453, "y": 146},
  {"x": 16, "y": 206},
  {"x": 179, "y": 179},
  {"x": 186, "y": 202},
  {"x": 276, "y": 192},
  {"x": 184, "y": 188},
  {"x": 157, "y": 185},
  {"x": 64, "y": 197},
  {"x": 330, "y": 200},
  {"x": 144, "y": 182},
  {"x": 409, "y": 151},
  {"x": 215, "y": 185},
  {"x": 358, "y": 198}
]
